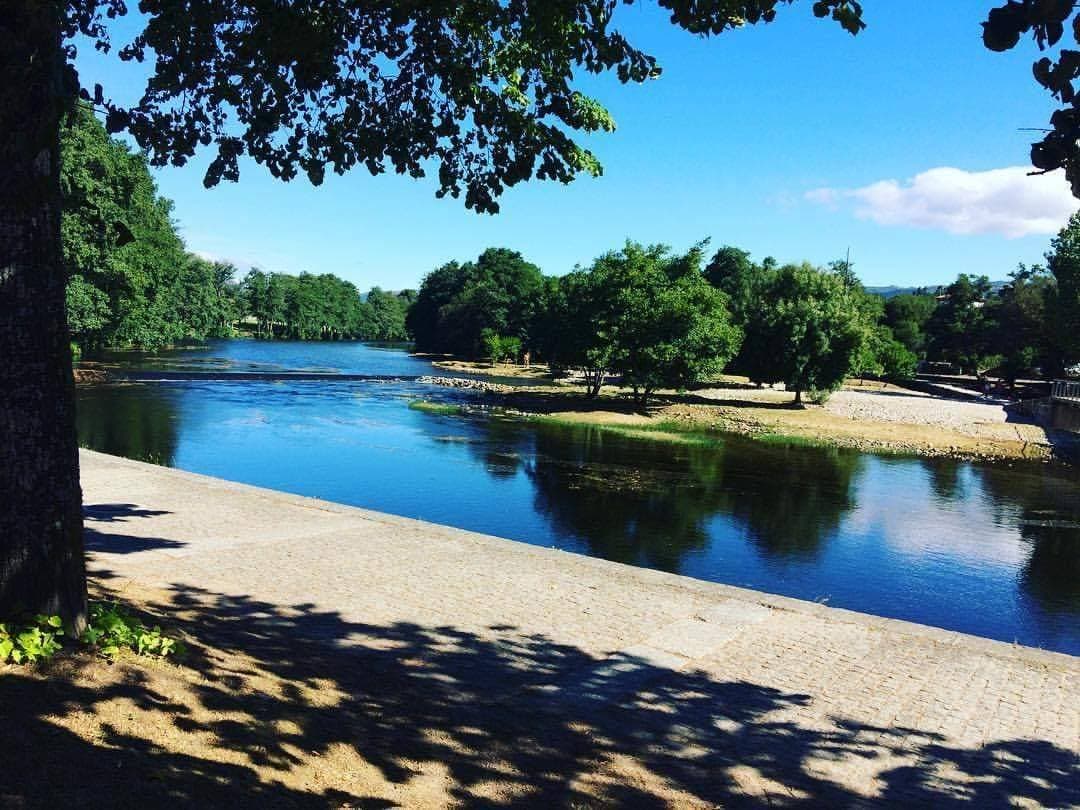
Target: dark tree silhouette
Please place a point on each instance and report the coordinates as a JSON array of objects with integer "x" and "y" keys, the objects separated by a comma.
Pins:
[{"x": 1047, "y": 23}]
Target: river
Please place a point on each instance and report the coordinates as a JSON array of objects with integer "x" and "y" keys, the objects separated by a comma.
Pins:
[{"x": 988, "y": 549}]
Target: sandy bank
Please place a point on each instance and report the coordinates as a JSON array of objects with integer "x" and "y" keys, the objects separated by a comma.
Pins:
[
  {"x": 877, "y": 419},
  {"x": 537, "y": 372}
]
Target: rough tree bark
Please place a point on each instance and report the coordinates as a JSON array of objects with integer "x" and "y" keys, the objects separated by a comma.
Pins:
[{"x": 42, "y": 568}]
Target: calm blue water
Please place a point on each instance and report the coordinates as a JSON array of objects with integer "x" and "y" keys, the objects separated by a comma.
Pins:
[
  {"x": 985, "y": 549},
  {"x": 282, "y": 355}
]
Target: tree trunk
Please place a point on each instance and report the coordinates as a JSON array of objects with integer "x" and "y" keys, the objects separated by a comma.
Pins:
[
  {"x": 596, "y": 384},
  {"x": 798, "y": 396},
  {"x": 42, "y": 568}
]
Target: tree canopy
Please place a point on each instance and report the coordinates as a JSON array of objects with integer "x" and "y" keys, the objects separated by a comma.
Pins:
[
  {"x": 321, "y": 307},
  {"x": 499, "y": 291},
  {"x": 807, "y": 333},
  {"x": 1046, "y": 21},
  {"x": 907, "y": 316},
  {"x": 1063, "y": 262},
  {"x": 669, "y": 328},
  {"x": 577, "y": 331},
  {"x": 483, "y": 93},
  {"x": 382, "y": 315},
  {"x": 130, "y": 280},
  {"x": 732, "y": 271}
]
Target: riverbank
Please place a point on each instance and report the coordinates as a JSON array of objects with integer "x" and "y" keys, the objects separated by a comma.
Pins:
[
  {"x": 538, "y": 373},
  {"x": 871, "y": 417},
  {"x": 90, "y": 374},
  {"x": 344, "y": 657}
]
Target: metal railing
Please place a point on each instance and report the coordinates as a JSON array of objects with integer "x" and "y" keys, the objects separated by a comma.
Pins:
[{"x": 1064, "y": 389}]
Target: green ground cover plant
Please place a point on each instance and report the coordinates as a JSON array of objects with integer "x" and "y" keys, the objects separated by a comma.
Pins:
[{"x": 111, "y": 629}]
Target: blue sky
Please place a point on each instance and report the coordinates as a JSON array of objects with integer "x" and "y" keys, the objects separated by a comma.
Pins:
[{"x": 780, "y": 139}]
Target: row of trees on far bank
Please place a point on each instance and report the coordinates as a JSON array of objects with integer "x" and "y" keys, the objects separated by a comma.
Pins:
[
  {"x": 659, "y": 319},
  {"x": 131, "y": 282},
  {"x": 320, "y": 307},
  {"x": 652, "y": 317},
  {"x": 1030, "y": 325}
]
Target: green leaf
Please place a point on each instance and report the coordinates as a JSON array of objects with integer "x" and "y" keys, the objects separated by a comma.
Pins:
[
  {"x": 92, "y": 635},
  {"x": 29, "y": 640}
]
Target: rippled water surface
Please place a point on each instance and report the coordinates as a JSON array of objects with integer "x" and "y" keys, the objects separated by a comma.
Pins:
[{"x": 985, "y": 549}]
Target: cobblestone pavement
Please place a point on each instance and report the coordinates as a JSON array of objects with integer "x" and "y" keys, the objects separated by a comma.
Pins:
[{"x": 568, "y": 681}]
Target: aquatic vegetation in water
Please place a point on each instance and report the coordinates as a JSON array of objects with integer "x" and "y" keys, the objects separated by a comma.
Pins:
[{"x": 437, "y": 408}]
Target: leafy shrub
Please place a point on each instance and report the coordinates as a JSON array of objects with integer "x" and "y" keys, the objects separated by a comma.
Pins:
[
  {"x": 491, "y": 344},
  {"x": 498, "y": 348},
  {"x": 29, "y": 641},
  {"x": 511, "y": 348},
  {"x": 112, "y": 628},
  {"x": 991, "y": 362},
  {"x": 898, "y": 362}
]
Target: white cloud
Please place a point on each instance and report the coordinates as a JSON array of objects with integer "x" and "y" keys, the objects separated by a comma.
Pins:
[
  {"x": 214, "y": 248},
  {"x": 824, "y": 196},
  {"x": 1008, "y": 201}
]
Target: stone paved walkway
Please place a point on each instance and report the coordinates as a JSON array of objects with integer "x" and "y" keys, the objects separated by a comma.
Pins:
[{"x": 572, "y": 681}]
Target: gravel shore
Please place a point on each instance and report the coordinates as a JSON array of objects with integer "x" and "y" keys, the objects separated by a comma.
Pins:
[{"x": 918, "y": 409}]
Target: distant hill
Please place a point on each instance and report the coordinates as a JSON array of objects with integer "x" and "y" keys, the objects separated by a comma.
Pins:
[{"x": 892, "y": 291}]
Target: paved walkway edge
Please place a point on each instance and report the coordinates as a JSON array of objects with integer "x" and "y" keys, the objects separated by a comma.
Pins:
[{"x": 654, "y": 578}]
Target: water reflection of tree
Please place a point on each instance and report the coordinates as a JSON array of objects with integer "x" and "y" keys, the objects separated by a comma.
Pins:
[
  {"x": 790, "y": 498},
  {"x": 1046, "y": 506},
  {"x": 945, "y": 479},
  {"x": 138, "y": 422},
  {"x": 503, "y": 446},
  {"x": 630, "y": 501},
  {"x": 1051, "y": 574},
  {"x": 651, "y": 502}
]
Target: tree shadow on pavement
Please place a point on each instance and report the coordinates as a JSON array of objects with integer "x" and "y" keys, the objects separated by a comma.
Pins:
[
  {"x": 116, "y": 543},
  {"x": 118, "y": 512},
  {"x": 290, "y": 706}
]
